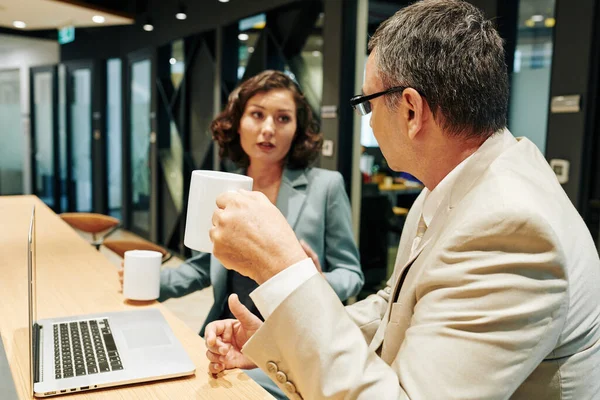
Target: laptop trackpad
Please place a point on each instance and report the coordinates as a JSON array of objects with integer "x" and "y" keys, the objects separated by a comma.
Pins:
[{"x": 153, "y": 336}]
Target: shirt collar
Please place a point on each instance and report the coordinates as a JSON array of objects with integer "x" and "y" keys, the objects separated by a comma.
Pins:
[{"x": 434, "y": 198}]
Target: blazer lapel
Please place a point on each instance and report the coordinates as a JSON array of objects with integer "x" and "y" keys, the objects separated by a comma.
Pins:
[
  {"x": 292, "y": 194},
  {"x": 471, "y": 172},
  {"x": 402, "y": 261}
]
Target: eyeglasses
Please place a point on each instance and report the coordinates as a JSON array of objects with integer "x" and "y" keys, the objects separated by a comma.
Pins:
[{"x": 361, "y": 102}]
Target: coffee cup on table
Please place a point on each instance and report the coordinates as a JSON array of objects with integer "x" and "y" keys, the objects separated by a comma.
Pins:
[
  {"x": 205, "y": 187},
  {"x": 141, "y": 275}
]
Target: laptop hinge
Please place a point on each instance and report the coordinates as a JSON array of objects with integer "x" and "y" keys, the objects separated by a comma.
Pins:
[{"x": 36, "y": 352}]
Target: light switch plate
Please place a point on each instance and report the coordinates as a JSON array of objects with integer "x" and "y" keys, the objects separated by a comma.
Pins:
[
  {"x": 327, "y": 149},
  {"x": 561, "y": 169}
]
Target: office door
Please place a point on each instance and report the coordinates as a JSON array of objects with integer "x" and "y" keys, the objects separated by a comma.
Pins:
[
  {"x": 140, "y": 167},
  {"x": 44, "y": 135},
  {"x": 86, "y": 143}
]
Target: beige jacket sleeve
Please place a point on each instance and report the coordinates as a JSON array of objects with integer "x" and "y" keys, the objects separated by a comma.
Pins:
[
  {"x": 367, "y": 314},
  {"x": 490, "y": 305}
]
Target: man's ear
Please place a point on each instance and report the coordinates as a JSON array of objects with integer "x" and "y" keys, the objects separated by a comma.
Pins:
[{"x": 414, "y": 110}]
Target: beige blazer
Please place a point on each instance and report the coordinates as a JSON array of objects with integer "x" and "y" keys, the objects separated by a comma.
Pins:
[{"x": 501, "y": 301}]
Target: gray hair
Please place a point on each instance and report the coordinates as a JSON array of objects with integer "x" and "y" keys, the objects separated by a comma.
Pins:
[{"x": 453, "y": 56}]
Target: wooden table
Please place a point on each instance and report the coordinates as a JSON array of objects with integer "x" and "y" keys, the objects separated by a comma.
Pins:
[{"x": 73, "y": 278}]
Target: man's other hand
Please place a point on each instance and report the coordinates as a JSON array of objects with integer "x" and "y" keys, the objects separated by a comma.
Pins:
[{"x": 225, "y": 338}]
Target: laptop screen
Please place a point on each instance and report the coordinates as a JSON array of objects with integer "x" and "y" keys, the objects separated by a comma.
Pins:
[{"x": 32, "y": 299}]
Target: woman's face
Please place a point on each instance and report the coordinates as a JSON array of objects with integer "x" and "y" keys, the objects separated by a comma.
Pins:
[{"x": 268, "y": 126}]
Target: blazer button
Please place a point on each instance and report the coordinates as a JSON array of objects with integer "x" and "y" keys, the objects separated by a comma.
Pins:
[
  {"x": 281, "y": 377},
  {"x": 290, "y": 387},
  {"x": 272, "y": 367}
]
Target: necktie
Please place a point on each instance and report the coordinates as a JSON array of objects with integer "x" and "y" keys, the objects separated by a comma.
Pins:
[{"x": 420, "y": 232}]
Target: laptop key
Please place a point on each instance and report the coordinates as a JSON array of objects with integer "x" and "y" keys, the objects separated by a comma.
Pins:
[
  {"x": 80, "y": 371},
  {"x": 104, "y": 368}
]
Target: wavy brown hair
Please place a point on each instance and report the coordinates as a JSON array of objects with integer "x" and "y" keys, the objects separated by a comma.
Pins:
[{"x": 307, "y": 141}]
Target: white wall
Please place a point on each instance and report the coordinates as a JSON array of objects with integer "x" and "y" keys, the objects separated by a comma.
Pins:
[{"x": 22, "y": 53}]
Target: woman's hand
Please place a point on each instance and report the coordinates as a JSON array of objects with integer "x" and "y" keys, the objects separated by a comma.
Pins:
[
  {"x": 120, "y": 274},
  {"x": 312, "y": 255}
]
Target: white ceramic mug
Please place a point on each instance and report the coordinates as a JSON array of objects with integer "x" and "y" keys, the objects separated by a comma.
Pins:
[
  {"x": 141, "y": 275},
  {"x": 205, "y": 187}
]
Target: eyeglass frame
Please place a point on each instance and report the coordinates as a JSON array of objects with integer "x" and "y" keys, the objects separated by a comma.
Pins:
[{"x": 359, "y": 99}]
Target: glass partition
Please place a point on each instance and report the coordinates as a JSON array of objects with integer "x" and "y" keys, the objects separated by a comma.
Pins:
[
  {"x": 11, "y": 131},
  {"x": 249, "y": 32},
  {"x": 140, "y": 107},
  {"x": 171, "y": 149},
  {"x": 43, "y": 135},
  {"x": 81, "y": 138},
  {"x": 530, "y": 80},
  {"x": 114, "y": 135},
  {"x": 63, "y": 162}
]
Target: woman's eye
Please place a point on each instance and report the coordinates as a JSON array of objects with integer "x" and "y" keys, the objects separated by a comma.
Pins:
[
  {"x": 256, "y": 114},
  {"x": 285, "y": 118}
]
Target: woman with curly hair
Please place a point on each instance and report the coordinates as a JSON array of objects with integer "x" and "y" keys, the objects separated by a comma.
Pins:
[{"x": 267, "y": 129}]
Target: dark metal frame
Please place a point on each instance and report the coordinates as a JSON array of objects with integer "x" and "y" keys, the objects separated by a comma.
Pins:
[
  {"x": 98, "y": 126},
  {"x": 55, "y": 147},
  {"x": 152, "y": 234}
]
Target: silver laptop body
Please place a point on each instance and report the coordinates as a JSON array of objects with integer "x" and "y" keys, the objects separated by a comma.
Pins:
[{"x": 89, "y": 352}]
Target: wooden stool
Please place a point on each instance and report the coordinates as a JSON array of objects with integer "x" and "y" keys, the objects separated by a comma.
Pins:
[
  {"x": 120, "y": 246},
  {"x": 92, "y": 223}
]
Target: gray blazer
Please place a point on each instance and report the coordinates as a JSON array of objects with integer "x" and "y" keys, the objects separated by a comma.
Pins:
[{"x": 316, "y": 206}]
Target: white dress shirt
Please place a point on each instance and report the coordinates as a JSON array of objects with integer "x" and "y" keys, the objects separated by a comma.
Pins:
[{"x": 268, "y": 296}]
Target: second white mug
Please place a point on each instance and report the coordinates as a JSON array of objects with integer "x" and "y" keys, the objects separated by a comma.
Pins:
[
  {"x": 205, "y": 187},
  {"x": 141, "y": 275}
]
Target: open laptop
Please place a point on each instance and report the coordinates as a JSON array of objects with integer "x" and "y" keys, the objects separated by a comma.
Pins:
[{"x": 74, "y": 354}]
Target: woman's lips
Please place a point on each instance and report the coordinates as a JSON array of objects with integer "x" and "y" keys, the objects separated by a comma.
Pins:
[{"x": 266, "y": 146}]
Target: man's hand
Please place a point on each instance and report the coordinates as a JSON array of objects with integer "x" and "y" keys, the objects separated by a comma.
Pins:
[
  {"x": 225, "y": 338},
  {"x": 252, "y": 237}
]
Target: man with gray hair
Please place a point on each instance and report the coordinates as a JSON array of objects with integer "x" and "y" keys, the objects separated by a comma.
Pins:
[{"x": 494, "y": 294}]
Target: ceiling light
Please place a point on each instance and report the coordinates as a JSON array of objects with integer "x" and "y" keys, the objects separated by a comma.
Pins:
[
  {"x": 99, "y": 19},
  {"x": 181, "y": 12},
  {"x": 530, "y": 23},
  {"x": 19, "y": 24},
  {"x": 224, "y": 1},
  {"x": 243, "y": 36},
  {"x": 172, "y": 61},
  {"x": 537, "y": 18},
  {"x": 316, "y": 53},
  {"x": 148, "y": 27},
  {"x": 550, "y": 22},
  {"x": 250, "y": 50}
]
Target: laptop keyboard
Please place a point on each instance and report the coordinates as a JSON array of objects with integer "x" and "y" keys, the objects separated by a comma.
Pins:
[{"x": 84, "y": 348}]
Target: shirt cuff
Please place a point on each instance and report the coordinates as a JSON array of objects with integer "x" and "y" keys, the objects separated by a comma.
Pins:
[{"x": 268, "y": 296}]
